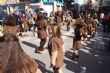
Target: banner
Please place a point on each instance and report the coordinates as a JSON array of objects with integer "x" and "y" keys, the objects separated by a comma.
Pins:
[{"x": 9, "y": 1}]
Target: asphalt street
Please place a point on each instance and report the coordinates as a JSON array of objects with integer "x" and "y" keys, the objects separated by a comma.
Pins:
[{"x": 94, "y": 57}]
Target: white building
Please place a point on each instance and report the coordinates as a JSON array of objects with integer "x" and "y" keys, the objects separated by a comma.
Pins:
[
  {"x": 49, "y": 6},
  {"x": 95, "y": 3}
]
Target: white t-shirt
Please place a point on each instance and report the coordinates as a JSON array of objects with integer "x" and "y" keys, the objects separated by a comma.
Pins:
[{"x": 102, "y": 15}]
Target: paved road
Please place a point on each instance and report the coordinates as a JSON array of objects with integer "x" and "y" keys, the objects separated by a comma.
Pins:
[{"x": 94, "y": 57}]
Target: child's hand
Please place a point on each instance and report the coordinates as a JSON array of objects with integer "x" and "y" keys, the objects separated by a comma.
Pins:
[{"x": 53, "y": 64}]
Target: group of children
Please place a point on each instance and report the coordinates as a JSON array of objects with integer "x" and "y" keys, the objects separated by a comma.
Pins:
[{"x": 19, "y": 62}]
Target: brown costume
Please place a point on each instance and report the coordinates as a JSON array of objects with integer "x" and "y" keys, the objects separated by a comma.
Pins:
[
  {"x": 51, "y": 20},
  {"x": 77, "y": 39},
  {"x": 94, "y": 23},
  {"x": 81, "y": 21},
  {"x": 42, "y": 24},
  {"x": 79, "y": 31},
  {"x": 42, "y": 34},
  {"x": 55, "y": 47},
  {"x": 68, "y": 21},
  {"x": 89, "y": 23},
  {"x": 58, "y": 20},
  {"x": 24, "y": 24},
  {"x": 11, "y": 29},
  {"x": 13, "y": 59},
  {"x": 64, "y": 19},
  {"x": 49, "y": 30}
]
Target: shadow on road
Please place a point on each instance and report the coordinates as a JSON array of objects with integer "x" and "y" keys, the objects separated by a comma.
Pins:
[
  {"x": 68, "y": 36},
  {"x": 74, "y": 67},
  {"x": 42, "y": 67},
  {"x": 29, "y": 44},
  {"x": 68, "y": 54},
  {"x": 95, "y": 56}
]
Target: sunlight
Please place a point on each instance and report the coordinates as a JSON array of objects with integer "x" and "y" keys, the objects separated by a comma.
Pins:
[
  {"x": 80, "y": 2},
  {"x": 86, "y": 51}
]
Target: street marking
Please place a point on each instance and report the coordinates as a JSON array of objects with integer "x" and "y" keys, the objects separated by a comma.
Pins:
[
  {"x": 96, "y": 55},
  {"x": 83, "y": 43},
  {"x": 86, "y": 51},
  {"x": 100, "y": 62},
  {"x": 84, "y": 69},
  {"x": 24, "y": 38},
  {"x": 67, "y": 33}
]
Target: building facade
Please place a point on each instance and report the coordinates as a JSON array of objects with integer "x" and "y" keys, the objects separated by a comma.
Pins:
[
  {"x": 48, "y": 5},
  {"x": 95, "y": 4},
  {"x": 105, "y": 2}
]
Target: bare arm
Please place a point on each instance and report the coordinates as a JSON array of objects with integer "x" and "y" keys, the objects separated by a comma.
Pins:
[{"x": 53, "y": 57}]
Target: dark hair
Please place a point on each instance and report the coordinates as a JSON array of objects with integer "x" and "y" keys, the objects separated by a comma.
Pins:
[
  {"x": 40, "y": 16},
  {"x": 9, "y": 20},
  {"x": 56, "y": 30},
  {"x": 79, "y": 25},
  {"x": 22, "y": 11}
]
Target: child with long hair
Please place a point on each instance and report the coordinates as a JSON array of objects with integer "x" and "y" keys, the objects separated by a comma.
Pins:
[
  {"x": 13, "y": 59},
  {"x": 41, "y": 32},
  {"x": 9, "y": 25},
  {"x": 78, "y": 31},
  {"x": 56, "y": 50}
]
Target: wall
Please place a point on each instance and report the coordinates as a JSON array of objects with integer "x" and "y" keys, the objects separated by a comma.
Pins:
[
  {"x": 48, "y": 8},
  {"x": 105, "y": 3}
]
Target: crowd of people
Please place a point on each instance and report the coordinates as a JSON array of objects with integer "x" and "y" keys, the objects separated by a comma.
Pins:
[
  {"x": 105, "y": 20},
  {"x": 12, "y": 57}
]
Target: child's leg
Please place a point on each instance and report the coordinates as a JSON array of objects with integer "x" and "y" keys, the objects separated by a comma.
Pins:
[
  {"x": 60, "y": 70},
  {"x": 56, "y": 70},
  {"x": 75, "y": 55}
]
